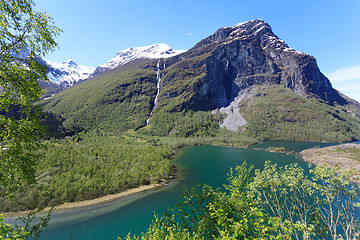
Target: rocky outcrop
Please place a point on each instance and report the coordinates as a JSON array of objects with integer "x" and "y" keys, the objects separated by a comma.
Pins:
[
  {"x": 251, "y": 54},
  {"x": 217, "y": 71}
]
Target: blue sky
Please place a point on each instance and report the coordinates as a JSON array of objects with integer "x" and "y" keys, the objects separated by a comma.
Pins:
[{"x": 94, "y": 31}]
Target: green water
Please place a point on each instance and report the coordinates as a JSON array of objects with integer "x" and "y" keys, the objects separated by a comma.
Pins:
[{"x": 207, "y": 164}]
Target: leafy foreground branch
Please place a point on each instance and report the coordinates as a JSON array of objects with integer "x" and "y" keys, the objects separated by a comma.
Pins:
[
  {"x": 26, "y": 228},
  {"x": 25, "y": 35},
  {"x": 275, "y": 203}
]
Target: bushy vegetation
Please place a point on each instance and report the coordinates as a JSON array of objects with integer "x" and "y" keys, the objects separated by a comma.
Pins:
[
  {"x": 275, "y": 203},
  {"x": 276, "y": 113},
  {"x": 182, "y": 124},
  {"x": 353, "y": 153},
  {"x": 87, "y": 166},
  {"x": 28, "y": 227},
  {"x": 223, "y": 138},
  {"x": 116, "y": 101},
  {"x": 277, "y": 149}
]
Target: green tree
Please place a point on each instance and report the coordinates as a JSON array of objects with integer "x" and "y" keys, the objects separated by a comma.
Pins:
[
  {"x": 25, "y": 35},
  {"x": 337, "y": 200},
  {"x": 25, "y": 229},
  {"x": 322, "y": 206},
  {"x": 206, "y": 213},
  {"x": 273, "y": 203}
]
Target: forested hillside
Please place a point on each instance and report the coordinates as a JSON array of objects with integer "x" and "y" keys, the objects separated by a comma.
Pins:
[
  {"x": 90, "y": 166},
  {"x": 242, "y": 79}
]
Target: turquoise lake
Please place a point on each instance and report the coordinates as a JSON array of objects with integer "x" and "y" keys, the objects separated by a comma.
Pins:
[{"x": 206, "y": 164}]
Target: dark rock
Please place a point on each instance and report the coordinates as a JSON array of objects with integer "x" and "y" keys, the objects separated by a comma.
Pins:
[{"x": 250, "y": 54}]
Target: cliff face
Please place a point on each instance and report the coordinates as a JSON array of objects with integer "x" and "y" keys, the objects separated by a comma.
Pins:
[
  {"x": 239, "y": 72},
  {"x": 250, "y": 54}
]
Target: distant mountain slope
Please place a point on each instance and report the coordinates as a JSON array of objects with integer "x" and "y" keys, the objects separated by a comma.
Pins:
[
  {"x": 115, "y": 101},
  {"x": 67, "y": 73},
  {"x": 242, "y": 78},
  {"x": 155, "y": 51},
  {"x": 63, "y": 75}
]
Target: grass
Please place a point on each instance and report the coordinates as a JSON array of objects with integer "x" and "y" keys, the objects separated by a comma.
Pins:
[
  {"x": 276, "y": 113},
  {"x": 353, "y": 153}
]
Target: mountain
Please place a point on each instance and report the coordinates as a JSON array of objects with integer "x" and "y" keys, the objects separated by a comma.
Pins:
[
  {"x": 67, "y": 73},
  {"x": 63, "y": 75},
  {"x": 241, "y": 79},
  {"x": 155, "y": 51}
]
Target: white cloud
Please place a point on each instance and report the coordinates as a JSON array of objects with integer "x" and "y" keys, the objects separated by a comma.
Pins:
[
  {"x": 345, "y": 74},
  {"x": 188, "y": 34},
  {"x": 351, "y": 86},
  {"x": 347, "y": 81}
]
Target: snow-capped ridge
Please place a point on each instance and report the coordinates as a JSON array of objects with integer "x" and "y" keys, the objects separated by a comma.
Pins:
[
  {"x": 155, "y": 51},
  {"x": 256, "y": 21},
  {"x": 70, "y": 63},
  {"x": 68, "y": 72},
  {"x": 257, "y": 28}
]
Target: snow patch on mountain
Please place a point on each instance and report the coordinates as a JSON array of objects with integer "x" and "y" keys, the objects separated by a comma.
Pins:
[
  {"x": 258, "y": 27},
  {"x": 155, "y": 51},
  {"x": 67, "y": 73}
]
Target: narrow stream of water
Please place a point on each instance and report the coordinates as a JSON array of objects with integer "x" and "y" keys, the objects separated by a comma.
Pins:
[{"x": 158, "y": 81}]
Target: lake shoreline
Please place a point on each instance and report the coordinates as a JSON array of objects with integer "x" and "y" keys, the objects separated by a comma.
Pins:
[
  {"x": 332, "y": 158},
  {"x": 100, "y": 200},
  {"x": 92, "y": 202},
  {"x": 113, "y": 197}
]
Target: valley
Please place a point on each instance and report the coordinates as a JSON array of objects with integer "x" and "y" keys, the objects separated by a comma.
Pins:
[
  {"x": 205, "y": 163},
  {"x": 123, "y": 125},
  {"x": 89, "y": 166},
  {"x": 237, "y": 87}
]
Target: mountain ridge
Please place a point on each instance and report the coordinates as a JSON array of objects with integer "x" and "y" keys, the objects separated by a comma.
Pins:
[
  {"x": 271, "y": 51},
  {"x": 67, "y": 73},
  {"x": 155, "y": 51},
  {"x": 227, "y": 80}
]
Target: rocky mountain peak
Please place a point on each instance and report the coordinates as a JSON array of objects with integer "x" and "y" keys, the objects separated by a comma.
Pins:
[
  {"x": 249, "y": 54},
  {"x": 258, "y": 31},
  {"x": 242, "y": 31},
  {"x": 71, "y": 63},
  {"x": 67, "y": 73},
  {"x": 252, "y": 27}
]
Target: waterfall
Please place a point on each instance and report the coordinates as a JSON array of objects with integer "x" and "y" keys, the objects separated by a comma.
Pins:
[{"x": 158, "y": 80}]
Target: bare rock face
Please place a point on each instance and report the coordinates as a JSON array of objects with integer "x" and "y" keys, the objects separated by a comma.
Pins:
[
  {"x": 216, "y": 72},
  {"x": 250, "y": 54}
]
